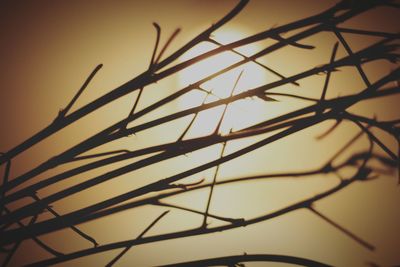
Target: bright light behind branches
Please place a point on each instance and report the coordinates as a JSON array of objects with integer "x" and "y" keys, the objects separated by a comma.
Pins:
[{"x": 239, "y": 114}]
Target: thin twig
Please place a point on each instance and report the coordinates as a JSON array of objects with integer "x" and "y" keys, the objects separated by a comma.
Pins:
[
  {"x": 63, "y": 112},
  {"x": 217, "y": 129},
  {"x": 343, "y": 230},
  {"x": 16, "y": 245},
  {"x": 346, "y": 146},
  {"x": 279, "y": 38},
  {"x": 34, "y": 238},
  {"x": 254, "y": 61},
  {"x": 366, "y": 32},
  {"x": 194, "y": 117},
  {"x": 224, "y": 219},
  {"x": 350, "y": 52},
  {"x": 234, "y": 260},
  {"x": 113, "y": 261},
  {"x": 100, "y": 154},
  {"x": 150, "y": 70},
  {"x": 3, "y": 187},
  {"x": 158, "y": 36},
  {"x": 73, "y": 228},
  {"x": 206, "y": 214},
  {"x": 376, "y": 140},
  {"x": 330, "y": 130},
  {"x": 170, "y": 39},
  {"x": 328, "y": 74}
]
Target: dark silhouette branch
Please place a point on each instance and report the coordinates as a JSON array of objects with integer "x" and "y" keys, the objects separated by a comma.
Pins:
[
  {"x": 27, "y": 191},
  {"x": 376, "y": 140},
  {"x": 4, "y": 183},
  {"x": 328, "y": 74},
  {"x": 156, "y": 186},
  {"x": 201, "y": 231},
  {"x": 16, "y": 246},
  {"x": 34, "y": 238},
  {"x": 327, "y": 168},
  {"x": 158, "y": 36},
  {"x": 344, "y": 230},
  {"x": 128, "y": 87},
  {"x": 113, "y": 261},
  {"x": 370, "y": 33},
  {"x": 233, "y": 260},
  {"x": 204, "y": 224},
  {"x": 157, "y": 202},
  {"x": 63, "y": 112},
  {"x": 168, "y": 154},
  {"x": 350, "y": 52},
  {"x": 270, "y": 130},
  {"x": 121, "y": 151},
  {"x": 104, "y": 136},
  {"x": 254, "y": 61},
  {"x": 73, "y": 228}
]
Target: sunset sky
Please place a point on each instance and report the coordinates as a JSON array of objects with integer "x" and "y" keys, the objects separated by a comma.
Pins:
[{"x": 49, "y": 48}]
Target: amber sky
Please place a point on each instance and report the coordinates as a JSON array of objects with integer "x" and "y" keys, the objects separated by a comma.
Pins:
[{"x": 48, "y": 48}]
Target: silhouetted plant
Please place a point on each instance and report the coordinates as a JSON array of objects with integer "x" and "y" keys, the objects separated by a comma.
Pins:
[{"x": 14, "y": 230}]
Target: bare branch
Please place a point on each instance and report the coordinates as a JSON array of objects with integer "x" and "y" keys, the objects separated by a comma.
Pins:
[
  {"x": 75, "y": 229},
  {"x": 376, "y": 140},
  {"x": 225, "y": 219},
  {"x": 343, "y": 230},
  {"x": 232, "y": 260},
  {"x": 63, "y": 112},
  {"x": 328, "y": 74},
  {"x": 3, "y": 187},
  {"x": 270, "y": 128},
  {"x": 350, "y": 52},
  {"x": 113, "y": 261},
  {"x": 254, "y": 61},
  {"x": 204, "y": 224}
]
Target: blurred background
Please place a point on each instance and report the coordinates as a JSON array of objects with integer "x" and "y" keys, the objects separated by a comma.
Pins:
[{"x": 48, "y": 49}]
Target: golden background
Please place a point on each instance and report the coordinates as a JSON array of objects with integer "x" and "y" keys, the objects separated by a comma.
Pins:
[{"x": 49, "y": 47}]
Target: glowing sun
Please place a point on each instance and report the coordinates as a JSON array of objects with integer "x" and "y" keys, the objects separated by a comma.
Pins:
[{"x": 239, "y": 114}]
